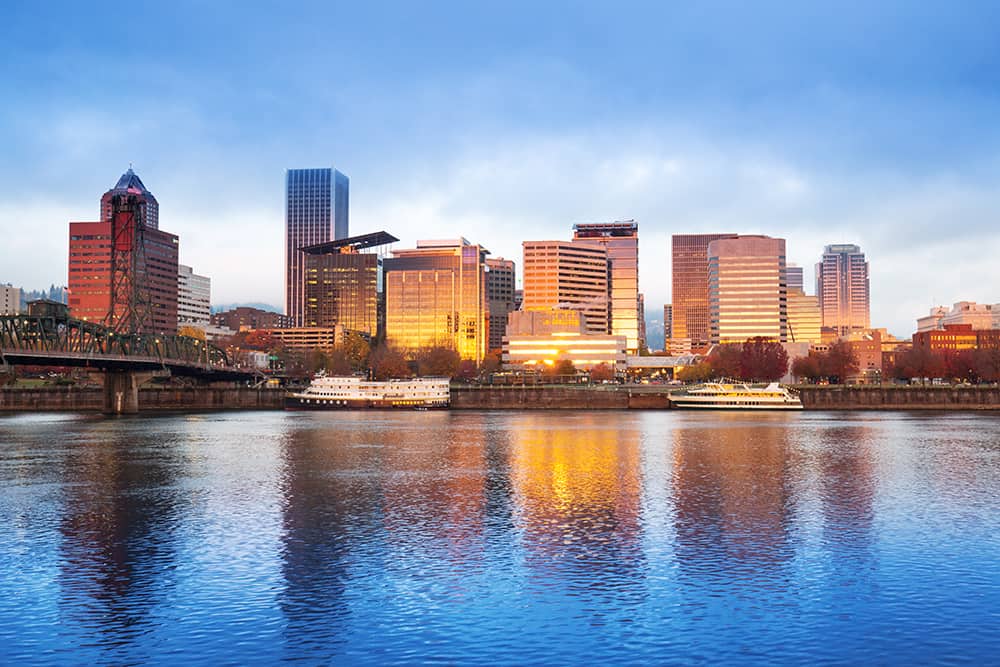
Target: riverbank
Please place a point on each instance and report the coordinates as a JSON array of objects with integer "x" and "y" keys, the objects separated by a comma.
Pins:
[
  {"x": 91, "y": 399},
  {"x": 472, "y": 397}
]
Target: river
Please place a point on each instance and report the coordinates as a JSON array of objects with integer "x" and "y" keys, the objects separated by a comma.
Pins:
[{"x": 500, "y": 538}]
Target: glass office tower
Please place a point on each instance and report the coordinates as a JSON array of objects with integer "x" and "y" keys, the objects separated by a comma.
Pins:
[
  {"x": 316, "y": 211},
  {"x": 690, "y": 287},
  {"x": 621, "y": 239},
  {"x": 747, "y": 289},
  {"x": 435, "y": 296},
  {"x": 567, "y": 275},
  {"x": 843, "y": 289}
]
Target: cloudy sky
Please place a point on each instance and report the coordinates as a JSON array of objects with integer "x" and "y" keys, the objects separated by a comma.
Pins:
[{"x": 509, "y": 121}]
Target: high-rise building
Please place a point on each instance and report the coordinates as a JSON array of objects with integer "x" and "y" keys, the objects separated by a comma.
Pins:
[
  {"x": 842, "y": 288},
  {"x": 435, "y": 295},
  {"x": 746, "y": 289},
  {"x": 794, "y": 276},
  {"x": 145, "y": 257},
  {"x": 621, "y": 239},
  {"x": 342, "y": 282},
  {"x": 131, "y": 184},
  {"x": 689, "y": 285},
  {"x": 194, "y": 298},
  {"x": 668, "y": 322},
  {"x": 642, "y": 322},
  {"x": 570, "y": 275},
  {"x": 803, "y": 318},
  {"x": 10, "y": 300},
  {"x": 316, "y": 211},
  {"x": 500, "y": 296}
]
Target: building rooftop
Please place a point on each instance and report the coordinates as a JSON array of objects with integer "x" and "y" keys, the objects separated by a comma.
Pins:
[
  {"x": 129, "y": 181},
  {"x": 355, "y": 242}
]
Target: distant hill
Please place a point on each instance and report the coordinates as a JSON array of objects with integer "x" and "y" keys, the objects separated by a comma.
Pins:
[{"x": 250, "y": 304}]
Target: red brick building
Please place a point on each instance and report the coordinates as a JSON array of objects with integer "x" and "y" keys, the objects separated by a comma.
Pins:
[
  {"x": 952, "y": 337},
  {"x": 90, "y": 255}
]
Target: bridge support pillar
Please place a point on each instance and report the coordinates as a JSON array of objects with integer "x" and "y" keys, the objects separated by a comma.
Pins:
[{"x": 121, "y": 392}]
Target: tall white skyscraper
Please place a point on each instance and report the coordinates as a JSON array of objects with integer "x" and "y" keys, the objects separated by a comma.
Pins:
[
  {"x": 843, "y": 289},
  {"x": 316, "y": 211}
]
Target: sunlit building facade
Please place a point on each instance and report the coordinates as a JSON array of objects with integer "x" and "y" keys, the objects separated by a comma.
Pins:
[
  {"x": 561, "y": 274},
  {"x": 689, "y": 286},
  {"x": 341, "y": 282},
  {"x": 843, "y": 289},
  {"x": 316, "y": 211},
  {"x": 804, "y": 319},
  {"x": 435, "y": 296},
  {"x": 500, "y": 297},
  {"x": 747, "y": 289},
  {"x": 621, "y": 239}
]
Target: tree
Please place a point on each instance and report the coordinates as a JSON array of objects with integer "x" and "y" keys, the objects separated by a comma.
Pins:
[
  {"x": 987, "y": 364},
  {"x": 699, "y": 372},
  {"x": 762, "y": 359},
  {"x": 467, "y": 370},
  {"x": 839, "y": 362},
  {"x": 255, "y": 339},
  {"x": 387, "y": 362},
  {"x": 491, "y": 364},
  {"x": 807, "y": 368},
  {"x": 602, "y": 373},
  {"x": 191, "y": 332},
  {"x": 561, "y": 367},
  {"x": 356, "y": 350},
  {"x": 440, "y": 361},
  {"x": 725, "y": 360}
]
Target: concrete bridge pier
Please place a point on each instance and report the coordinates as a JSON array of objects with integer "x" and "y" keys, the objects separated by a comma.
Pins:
[{"x": 121, "y": 391}]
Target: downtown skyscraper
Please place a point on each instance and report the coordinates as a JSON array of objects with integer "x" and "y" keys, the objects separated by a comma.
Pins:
[
  {"x": 621, "y": 240},
  {"x": 689, "y": 281},
  {"x": 316, "y": 211},
  {"x": 843, "y": 289},
  {"x": 747, "y": 289}
]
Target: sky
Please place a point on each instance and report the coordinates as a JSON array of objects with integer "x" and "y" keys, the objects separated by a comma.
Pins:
[{"x": 849, "y": 122}]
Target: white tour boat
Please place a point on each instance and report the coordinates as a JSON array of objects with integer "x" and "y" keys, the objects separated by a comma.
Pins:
[
  {"x": 719, "y": 396},
  {"x": 352, "y": 392}
]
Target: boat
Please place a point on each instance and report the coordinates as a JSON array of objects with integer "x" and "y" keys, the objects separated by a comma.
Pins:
[
  {"x": 353, "y": 392},
  {"x": 718, "y": 396}
]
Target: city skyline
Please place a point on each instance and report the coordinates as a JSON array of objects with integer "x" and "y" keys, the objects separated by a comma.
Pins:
[{"x": 877, "y": 130}]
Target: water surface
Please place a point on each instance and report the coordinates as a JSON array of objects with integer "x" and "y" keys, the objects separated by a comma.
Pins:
[{"x": 500, "y": 538}]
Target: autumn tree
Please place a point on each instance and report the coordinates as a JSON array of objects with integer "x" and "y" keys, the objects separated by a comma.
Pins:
[
  {"x": 490, "y": 364},
  {"x": 699, "y": 372},
  {"x": 561, "y": 367},
  {"x": 807, "y": 368},
  {"x": 839, "y": 362},
  {"x": 441, "y": 361},
  {"x": 355, "y": 349},
  {"x": 987, "y": 364},
  {"x": 388, "y": 362},
  {"x": 191, "y": 332},
  {"x": 602, "y": 372},
  {"x": 762, "y": 359},
  {"x": 725, "y": 360},
  {"x": 467, "y": 370}
]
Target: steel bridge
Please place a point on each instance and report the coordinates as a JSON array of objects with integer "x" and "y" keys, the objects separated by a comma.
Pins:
[{"x": 51, "y": 340}]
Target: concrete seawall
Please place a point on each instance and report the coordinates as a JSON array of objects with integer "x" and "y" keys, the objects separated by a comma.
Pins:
[
  {"x": 900, "y": 398},
  {"x": 73, "y": 399},
  {"x": 557, "y": 398}
]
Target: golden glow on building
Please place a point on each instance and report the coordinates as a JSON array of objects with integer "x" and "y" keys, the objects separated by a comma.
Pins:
[
  {"x": 746, "y": 289},
  {"x": 804, "y": 319},
  {"x": 689, "y": 283},
  {"x": 560, "y": 274},
  {"x": 621, "y": 240},
  {"x": 583, "y": 350},
  {"x": 435, "y": 295}
]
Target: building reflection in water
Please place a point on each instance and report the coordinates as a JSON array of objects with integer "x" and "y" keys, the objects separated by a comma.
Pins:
[
  {"x": 578, "y": 489},
  {"x": 118, "y": 532},
  {"x": 733, "y": 499}
]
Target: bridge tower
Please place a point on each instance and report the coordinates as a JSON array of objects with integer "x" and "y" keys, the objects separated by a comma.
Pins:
[{"x": 130, "y": 296}]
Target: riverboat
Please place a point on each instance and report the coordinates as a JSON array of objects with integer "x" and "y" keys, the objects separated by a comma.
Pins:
[
  {"x": 351, "y": 392},
  {"x": 719, "y": 396}
]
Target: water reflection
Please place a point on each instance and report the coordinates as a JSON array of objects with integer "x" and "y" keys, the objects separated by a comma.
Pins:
[
  {"x": 733, "y": 500},
  {"x": 578, "y": 491},
  {"x": 118, "y": 533}
]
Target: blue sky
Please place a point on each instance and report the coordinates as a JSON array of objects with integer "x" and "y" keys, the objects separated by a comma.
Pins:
[{"x": 830, "y": 123}]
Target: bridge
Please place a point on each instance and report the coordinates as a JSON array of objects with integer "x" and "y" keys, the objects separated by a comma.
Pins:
[{"x": 127, "y": 360}]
